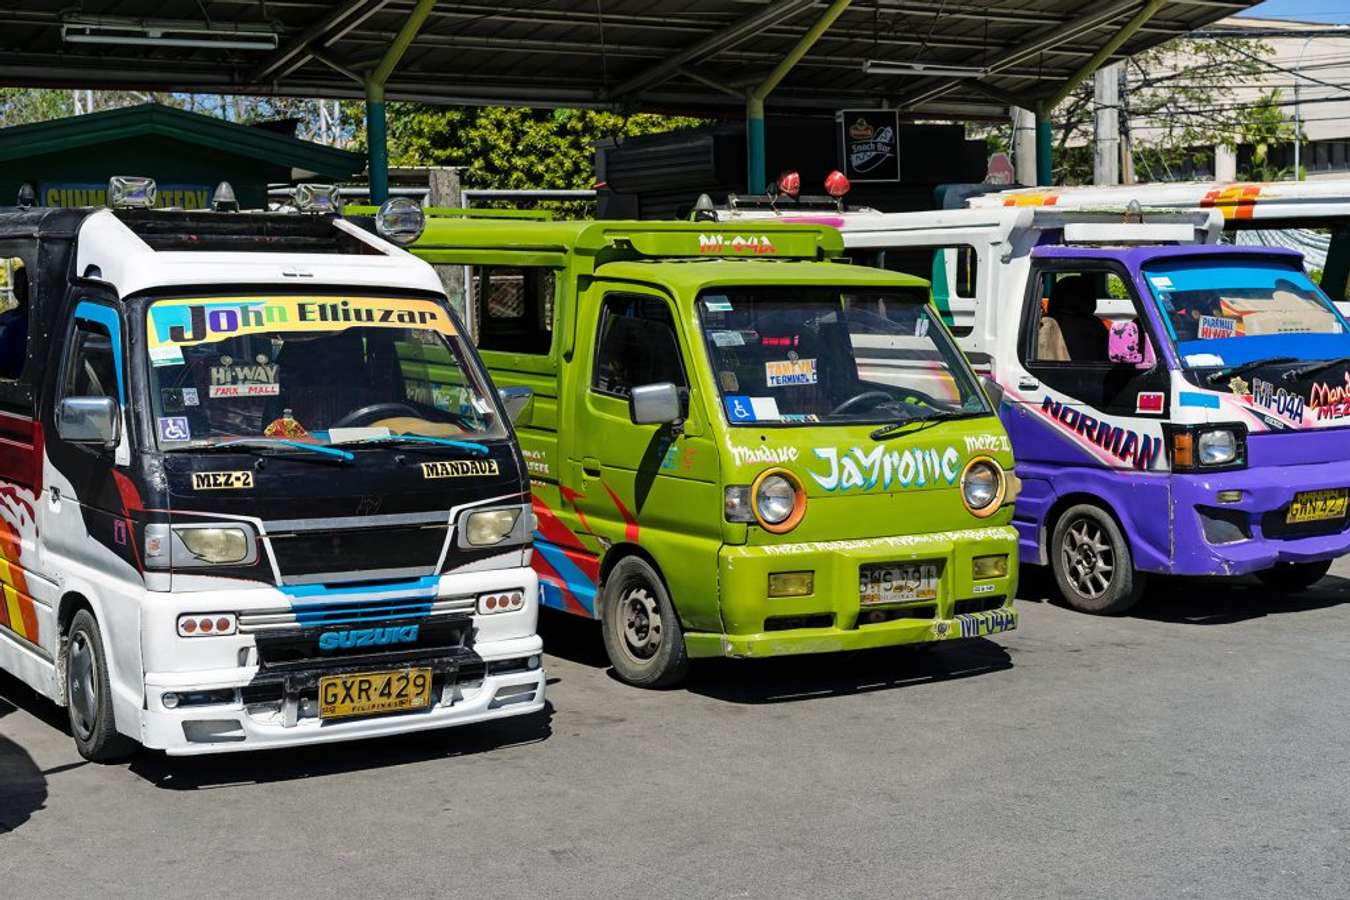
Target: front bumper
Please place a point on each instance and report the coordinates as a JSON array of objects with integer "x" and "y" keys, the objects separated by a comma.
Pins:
[
  {"x": 261, "y": 713},
  {"x": 1214, "y": 538},
  {"x": 832, "y": 618}
]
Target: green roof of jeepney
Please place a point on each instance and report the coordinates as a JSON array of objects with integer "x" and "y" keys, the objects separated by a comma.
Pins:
[{"x": 684, "y": 255}]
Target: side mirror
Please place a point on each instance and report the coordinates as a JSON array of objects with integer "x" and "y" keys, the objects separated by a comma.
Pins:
[
  {"x": 89, "y": 420},
  {"x": 1127, "y": 346},
  {"x": 519, "y": 403},
  {"x": 654, "y": 404}
]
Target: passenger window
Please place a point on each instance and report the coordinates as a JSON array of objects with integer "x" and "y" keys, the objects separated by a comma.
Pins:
[
  {"x": 14, "y": 294},
  {"x": 90, "y": 370},
  {"x": 514, "y": 308},
  {"x": 1065, "y": 322},
  {"x": 636, "y": 344}
]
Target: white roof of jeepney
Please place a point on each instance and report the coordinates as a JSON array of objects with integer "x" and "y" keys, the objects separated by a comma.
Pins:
[
  {"x": 129, "y": 264},
  {"x": 1237, "y": 201}
]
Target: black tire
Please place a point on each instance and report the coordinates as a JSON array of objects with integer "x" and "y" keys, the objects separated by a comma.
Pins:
[
  {"x": 89, "y": 695},
  {"x": 1294, "y": 577},
  {"x": 642, "y": 632},
  {"x": 1091, "y": 559}
]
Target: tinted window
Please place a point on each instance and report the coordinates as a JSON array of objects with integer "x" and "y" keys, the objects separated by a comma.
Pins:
[
  {"x": 90, "y": 370},
  {"x": 636, "y": 345},
  {"x": 515, "y": 308}
]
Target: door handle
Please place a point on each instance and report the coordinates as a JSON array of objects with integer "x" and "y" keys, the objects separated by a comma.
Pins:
[
  {"x": 1027, "y": 383},
  {"x": 590, "y": 467}
]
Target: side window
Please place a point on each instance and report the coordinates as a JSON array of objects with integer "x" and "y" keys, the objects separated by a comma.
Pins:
[
  {"x": 514, "y": 308},
  {"x": 14, "y": 293},
  {"x": 1064, "y": 323},
  {"x": 90, "y": 369},
  {"x": 636, "y": 344}
]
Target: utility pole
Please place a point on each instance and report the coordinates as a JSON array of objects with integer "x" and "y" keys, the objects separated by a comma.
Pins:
[
  {"x": 1126, "y": 144},
  {"x": 1106, "y": 136},
  {"x": 1024, "y": 145}
]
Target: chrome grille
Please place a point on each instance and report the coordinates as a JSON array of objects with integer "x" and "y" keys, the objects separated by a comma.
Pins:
[{"x": 271, "y": 621}]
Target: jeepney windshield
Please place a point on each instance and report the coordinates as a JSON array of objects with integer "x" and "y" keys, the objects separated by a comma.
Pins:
[
  {"x": 317, "y": 369},
  {"x": 1225, "y": 312},
  {"x": 806, "y": 355}
]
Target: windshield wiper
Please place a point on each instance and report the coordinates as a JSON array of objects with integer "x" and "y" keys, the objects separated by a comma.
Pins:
[
  {"x": 268, "y": 444},
  {"x": 1312, "y": 367},
  {"x": 1228, "y": 371},
  {"x": 890, "y": 429},
  {"x": 471, "y": 446}
]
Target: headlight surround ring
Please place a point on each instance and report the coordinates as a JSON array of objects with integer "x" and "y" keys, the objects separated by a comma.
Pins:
[
  {"x": 973, "y": 466},
  {"x": 798, "y": 510}
]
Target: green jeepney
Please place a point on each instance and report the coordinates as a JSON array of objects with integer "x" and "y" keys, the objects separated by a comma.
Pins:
[{"x": 739, "y": 445}]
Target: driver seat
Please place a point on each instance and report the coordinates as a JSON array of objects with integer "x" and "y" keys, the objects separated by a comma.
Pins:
[{"x": 322, "y": 379}]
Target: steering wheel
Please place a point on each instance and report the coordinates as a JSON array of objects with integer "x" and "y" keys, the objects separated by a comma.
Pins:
[
  {"x": 375, "y": 411},
  {"x": 856, "y": 399}
]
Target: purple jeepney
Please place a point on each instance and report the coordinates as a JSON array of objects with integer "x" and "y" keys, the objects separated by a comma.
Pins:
[
  {"x": 1174, "y": 405},
  {"x": 1175, "y": 409}
]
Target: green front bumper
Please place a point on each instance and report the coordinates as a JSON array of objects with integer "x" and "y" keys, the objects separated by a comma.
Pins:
[{"x": 829, "y": 619}]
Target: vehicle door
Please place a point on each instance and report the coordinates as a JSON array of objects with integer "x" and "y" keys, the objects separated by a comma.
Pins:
[
  {"x": 1072, "y": 404},
  {"x": 650, "y": 485}
]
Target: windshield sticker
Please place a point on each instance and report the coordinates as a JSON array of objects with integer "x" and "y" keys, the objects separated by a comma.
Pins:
[
  {"x": 174, "y": 428},
  {"x": 171, "y": 355},
  {"x": 285, "y": 427},
  {"x": 1161, "y": 281},
  {"x": 1213, "y": 327},
  {"x": 741, "y": 408},
  {"x": 915, "y": 467},
  {"x": 459, "y": 468},
  {"x": 1202, "y": 360},
  {"x": 190, "y": 397},
  {"x": 1277, "y": 400},
  {"x": 790, "y": 372},
  {"x": 1139, "y": 450},
  {"x": 221, "y": 481},
  {"x": 717, "y": 304},
  {"x": 183, "y": 323},
  {"x": 227, "y": 373},
  {"x": 800, "y": 418},
  {"x": 243, "y": 390},
  {"x": 921, "y": 326},
  {"x": 728, "y": 339},
  {"x": 1150, "y": 402},
  {"x": 729, "y": 381},
  {"x": 763, "y": 454}
]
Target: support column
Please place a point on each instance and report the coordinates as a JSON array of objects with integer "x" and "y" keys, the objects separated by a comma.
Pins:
[
  {"x": 1106, "y": 138},
  {"x": 377, "y": 144},
  {"x": 756, "y": 177},
  {"x": 1024, "y": 145},
  {"x": 1225, "y": 163},
  {"x": 1045, "y": 174}
]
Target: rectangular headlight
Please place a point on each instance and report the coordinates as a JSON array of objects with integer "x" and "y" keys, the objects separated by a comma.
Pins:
[
  {"x": 792, "y": 584},
  {"x": 192, "y": 546},
  {"x": 989, "y": 566},
  {"x": 499, "y": 526}
]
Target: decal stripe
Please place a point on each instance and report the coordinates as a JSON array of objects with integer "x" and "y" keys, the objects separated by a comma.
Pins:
[
  {"x": 131, "y": 502},
  {"x": 557, "y": 567},
  {"x": 630, "y": 531}
]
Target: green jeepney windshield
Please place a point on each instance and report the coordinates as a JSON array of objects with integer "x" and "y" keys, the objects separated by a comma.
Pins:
[{"x": 818, "y": 355}]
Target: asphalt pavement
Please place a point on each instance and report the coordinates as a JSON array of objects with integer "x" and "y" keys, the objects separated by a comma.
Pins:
[{"x": 1197, "y": 748}]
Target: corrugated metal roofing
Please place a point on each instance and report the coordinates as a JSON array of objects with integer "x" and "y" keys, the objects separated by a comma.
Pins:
[{"x": 693, "y": 56}]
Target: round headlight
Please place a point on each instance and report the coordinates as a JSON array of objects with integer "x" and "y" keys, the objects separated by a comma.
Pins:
[
  {"x": 982, "y": 486},
  {"x": 779, "y": 502},
  {"x": 400, "y": 220},
  {"x": 1217, "y": 447}
]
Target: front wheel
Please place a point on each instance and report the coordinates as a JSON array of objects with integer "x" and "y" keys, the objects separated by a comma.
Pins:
[
  {"x": 88, "y": 694},
  {"x": 643, "y": 636},
  {"x": 1092, "y": 563},
  {"x": 1294, "y": 576}
]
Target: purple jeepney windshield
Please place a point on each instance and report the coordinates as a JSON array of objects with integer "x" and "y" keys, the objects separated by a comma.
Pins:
[{"x": 1231, "y": 311}]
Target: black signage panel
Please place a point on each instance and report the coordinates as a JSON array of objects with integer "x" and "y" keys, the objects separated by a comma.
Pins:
[{"x": 869, "y": 144}]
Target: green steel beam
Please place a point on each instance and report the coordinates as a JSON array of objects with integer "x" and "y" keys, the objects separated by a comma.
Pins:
[
  {"x": 754, "y": 100},
  {"x": 376, "y": 133}
]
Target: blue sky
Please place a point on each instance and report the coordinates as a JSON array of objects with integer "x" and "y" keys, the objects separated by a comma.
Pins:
[{"x": 1303, "y": 10}]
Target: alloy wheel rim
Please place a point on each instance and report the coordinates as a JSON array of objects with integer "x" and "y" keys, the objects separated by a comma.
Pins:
[
  {"x": 641, "y": 624},
  {"x": 83, "y": 693},
  {"x": 1088, "y": 558}
]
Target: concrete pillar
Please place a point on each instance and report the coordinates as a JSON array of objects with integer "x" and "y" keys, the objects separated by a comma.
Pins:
[
  {"x": 447, "y": 193},
  {"x": 1225, "y": 163},
  {"x": 1024, "y": 145},
  {"x": 1106, "y": 138}
]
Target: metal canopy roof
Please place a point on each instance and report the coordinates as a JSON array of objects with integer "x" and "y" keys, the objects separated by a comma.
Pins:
[{"x": 695, "y": 56}]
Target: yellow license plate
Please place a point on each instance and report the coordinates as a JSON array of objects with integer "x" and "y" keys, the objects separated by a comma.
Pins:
[
  {"x": 374, "y": 693},
  {"x": 1317, "y": 506}
]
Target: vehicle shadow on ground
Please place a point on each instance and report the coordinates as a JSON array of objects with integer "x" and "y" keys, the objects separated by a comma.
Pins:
[
  {"x": 270, "y": 766},
  {"x": 1203, "y": 601},
  {"x": 23, "y": 785},
  {"x": 788, "y": 679}
]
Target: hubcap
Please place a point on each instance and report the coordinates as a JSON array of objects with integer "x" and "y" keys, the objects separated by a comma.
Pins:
[
  {"x": 1089, "y": 562},
  {"x": 641, "y": 620},
  {"x": 83, "y": 678}
]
